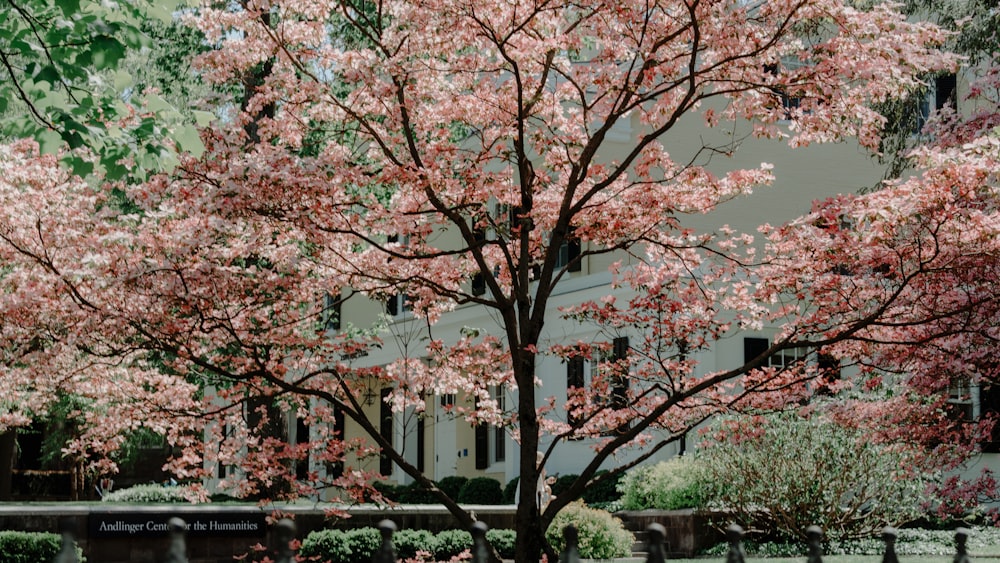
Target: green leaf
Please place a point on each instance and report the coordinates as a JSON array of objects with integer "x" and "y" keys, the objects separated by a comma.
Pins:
[
  {"x": 49, "y": 141},
  {"x": 189, "y": 140},
  {"x": 106, "y": 52},
  {"x": 69, "y": 7}
]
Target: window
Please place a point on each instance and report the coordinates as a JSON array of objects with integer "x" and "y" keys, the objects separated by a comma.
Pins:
[
  {"x": 829, "y": 367},
  {"x": 491, "y": 441},
  {"x": 398, "y": 304},
  {"x": 569, "y": 254},
  {"x": 613, "y": 365},
  {"x": 754, "y": 347},
  {"x": 970, "y": 402},
  {"x": 331, "y": 311},
  {"x": 940, "y": 94}
]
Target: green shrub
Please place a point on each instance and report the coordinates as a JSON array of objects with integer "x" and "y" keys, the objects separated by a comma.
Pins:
[
  {"x": 604, "y": 492},
  {"x": 330, "y": 546},
  {"x": 602, "y": 536},
  {"x": 340, "y": 546},
  {"x": 409, "y": 542},
  {"x": 503, "y": 541},
  {"x": 390, "y": 491},
  {"x": 452, "y": 485},
  {"x": 562, "y": 483},
  {"x": 510, "y": 491},
  {"x": 149, "y": 493},
  {"x": 669, "y": 485},
  {"x": 414, "y": 493},
  {"x": 784, "y": 472},
  {"x": 30, "y": 547},
  {"x": 481, "y": 490},
  {"x": 450, "y": 543}
]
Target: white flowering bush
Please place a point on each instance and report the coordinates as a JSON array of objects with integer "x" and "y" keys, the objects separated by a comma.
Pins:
[{"x": 150, "y": 493}]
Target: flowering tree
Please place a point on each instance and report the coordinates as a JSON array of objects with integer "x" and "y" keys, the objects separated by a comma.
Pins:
[{"x": 373, "y": 162}]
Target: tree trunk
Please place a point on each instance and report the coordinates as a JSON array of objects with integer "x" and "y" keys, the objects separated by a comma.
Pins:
[{"x": 530, "y": 529}]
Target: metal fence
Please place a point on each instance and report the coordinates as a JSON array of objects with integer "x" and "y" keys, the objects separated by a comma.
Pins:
[{"x": 284, "y": 533}]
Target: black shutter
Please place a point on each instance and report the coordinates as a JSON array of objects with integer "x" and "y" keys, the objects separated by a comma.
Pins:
[
  {"x": 753, "y": 347},
  {"x": 574, "y": 379},
  {"x": 573, "y": 254},
  {"x": 620, "y": 384},
  {"x": 385, "y": 430},
  {"x": 482, "y": 444},
  {"x": 421, "y": 444}
]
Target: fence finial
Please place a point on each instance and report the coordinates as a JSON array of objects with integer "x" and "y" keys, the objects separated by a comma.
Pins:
[
  {"x": 67, "y": 554},
  {"x": 480, "y": 547},
  {"x": 284, "y": 534},
  {"x": 961, "y": 554},
  {"x": 889, "y": 537},
  {"x": 814, "y": 537},
  {"x": 571, "y": 553},
  {"x": 734, "y": 535},
  {"x": 177, "y": 552},
  {"x": 656, "y": 551},
  {"x": 386, "y": 552}
]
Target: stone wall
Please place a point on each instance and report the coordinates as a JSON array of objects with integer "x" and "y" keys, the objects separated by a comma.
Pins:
[{"x": 136, "y": 533}]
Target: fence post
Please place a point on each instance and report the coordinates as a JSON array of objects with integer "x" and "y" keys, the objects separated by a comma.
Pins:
[
  {"x": 734, "y": 534},
  {"x": 570, "y": 554},
  {"x": 67, "y": 554},
  {"x": 889, "y": 537},
  {"x": 814, "y": 535},
  {"x": 656, "y": 551},
  {"x": 284, "y": 534},
  {"x": 177, "y": 552},
  {"x": 961, "y": 554},
  {"x": 386, "y": 552},
  {"x": 480, "y": 548}
]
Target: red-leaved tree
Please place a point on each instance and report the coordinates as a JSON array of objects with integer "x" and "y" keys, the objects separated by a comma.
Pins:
[{"x": 367, "y": 155}]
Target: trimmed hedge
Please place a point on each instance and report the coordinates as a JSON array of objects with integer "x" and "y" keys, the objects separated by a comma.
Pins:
[
  {"x": 481, "y": 490},
  {"x": 348, "y": 546},
  {"x": 31, "y": 547}
]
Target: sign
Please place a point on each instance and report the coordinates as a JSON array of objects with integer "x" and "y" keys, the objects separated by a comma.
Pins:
[{"x": 150, "y": 525}]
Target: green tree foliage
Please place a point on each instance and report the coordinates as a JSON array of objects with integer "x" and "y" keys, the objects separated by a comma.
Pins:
[
  {"x": 779, "y": 474},
  {"x": 62, "y": 83}
]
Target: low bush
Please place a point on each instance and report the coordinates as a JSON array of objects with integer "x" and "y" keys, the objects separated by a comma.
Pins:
[
  {"x": 481, "y": 490},
  {"x": 602, "y": 536},
  {"x": 603, "y": 492},
  {"x": 449, "y": 543},
  {"x": 452, "y": 485},
  {"x": 416, "y": 494},
  {"x": 562, "y": 483},
  {"x": 341, "y": 546},
  {"x": 348, "y": 546},
  {"x": 780, "y": 473},
  {"x": 503, "y": 541},
  {"x": 30, "y": 547},
  {"x": 669, "y": 485},
  {"x": 151, "y": 493},
  {"x": 409, "y": 542},
  {"x": 510, "y": 491},
  {"x": 389, "y": 491}
]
